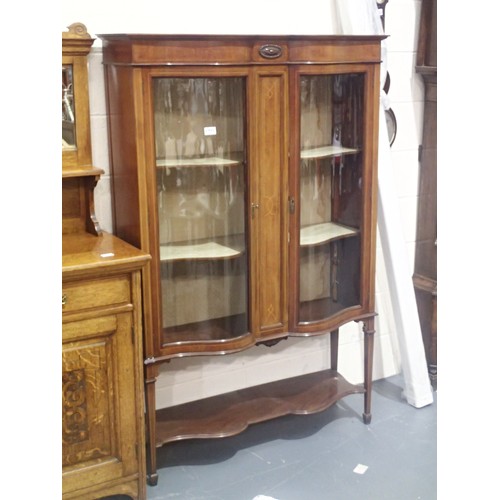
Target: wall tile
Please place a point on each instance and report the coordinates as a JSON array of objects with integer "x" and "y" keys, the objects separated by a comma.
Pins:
[
  {"x": 404, "y": 85},
  {"x": 408, "y": 206},
  {"x": 406, "y": 170},
  {"x": 385, "y": 362},
  {"x": 179, "y": 393},
  {"x": 222, "y": 382},
  {"x": 350, "y": 333},
  {"x": 409, "y": 116},
  {"x": 99, "y": 137},
  {"x": 401, "y": 23},
  {"x": 281, "y": 368},
  {"x": 97, "y": 96}
]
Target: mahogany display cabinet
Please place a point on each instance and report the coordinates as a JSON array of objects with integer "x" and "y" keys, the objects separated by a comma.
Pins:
[{"x": 247, "y": 167}]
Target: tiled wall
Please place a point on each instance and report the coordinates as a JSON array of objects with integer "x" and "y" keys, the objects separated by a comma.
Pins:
[{"x": 187, "y": 379}]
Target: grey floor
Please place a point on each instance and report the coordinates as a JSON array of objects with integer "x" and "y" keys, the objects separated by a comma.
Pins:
[{"x": 327, "y": 456}]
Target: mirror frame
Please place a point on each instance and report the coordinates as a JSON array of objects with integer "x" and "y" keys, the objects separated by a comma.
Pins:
[{"x": 76, "y": 45}]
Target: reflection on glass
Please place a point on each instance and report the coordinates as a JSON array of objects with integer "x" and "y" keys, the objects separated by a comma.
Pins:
[
  {"x": 68, "y": 109},
  {"x": 201, "y": 182},
  {"x": 330, "y": 194}
]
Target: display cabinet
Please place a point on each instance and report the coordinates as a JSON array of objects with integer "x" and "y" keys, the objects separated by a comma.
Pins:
[
  {"x": 246, "y": 166},
  {"x": 103, "y": 442}
]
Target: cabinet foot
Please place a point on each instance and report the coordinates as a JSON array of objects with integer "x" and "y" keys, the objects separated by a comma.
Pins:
[{"x": 152, "y": 479}]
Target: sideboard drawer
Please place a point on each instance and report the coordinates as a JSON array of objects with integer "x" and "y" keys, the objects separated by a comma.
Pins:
[{"x": 93, "y": 294}]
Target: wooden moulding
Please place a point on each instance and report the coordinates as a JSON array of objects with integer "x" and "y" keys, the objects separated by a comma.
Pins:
[
  {"x": 230, "y": 414},
  {"x": 76, "y": 41},
  {"x": 137, "y": 49}
]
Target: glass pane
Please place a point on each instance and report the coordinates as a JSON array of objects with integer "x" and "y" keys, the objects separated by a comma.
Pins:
[
  {"x": 201, "y": 181},
  {"x": 331, "y": 134},
  {"x": 68, "y": 109}
]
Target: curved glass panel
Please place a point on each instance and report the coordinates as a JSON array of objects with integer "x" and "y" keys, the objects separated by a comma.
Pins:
[
  {"x": 331, "y": 136},
  {"x": 201, "y": 182}
]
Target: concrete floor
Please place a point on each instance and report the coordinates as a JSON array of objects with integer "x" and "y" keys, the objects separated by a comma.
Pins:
[{"x": 327, "y": 456}]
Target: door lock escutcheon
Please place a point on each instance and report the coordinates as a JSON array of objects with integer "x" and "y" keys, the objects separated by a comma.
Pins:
[{"x": 254, "y": 206}]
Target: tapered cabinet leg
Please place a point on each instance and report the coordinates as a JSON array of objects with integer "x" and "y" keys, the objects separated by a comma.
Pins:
[
  {"x": 334, "y": 349},
  {"x": 369, "y": 331},
  {"x": 150, "y": 381}
]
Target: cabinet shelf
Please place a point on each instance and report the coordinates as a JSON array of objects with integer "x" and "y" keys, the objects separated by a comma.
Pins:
[
  {"x": 326, "y": 152},
  {"x": 212, "y": 330},
  {"x": 311, "y": 310},
  {"x": 318, "y": 234},
  {"x": 208, "y": 418},
  {"x": 82, "y": 172},
  {"x": 212, "y": 161},
  {"x": 215, "y": 249}
]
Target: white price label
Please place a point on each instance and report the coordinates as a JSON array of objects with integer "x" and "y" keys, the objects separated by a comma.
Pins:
[
  {"x": 210, "y": 130},
  {"x": 360, "y": 469}
]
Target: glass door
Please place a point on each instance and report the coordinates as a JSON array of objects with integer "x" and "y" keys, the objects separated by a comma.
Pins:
[
  {"x": 330, "y": 185},
  {"x": 201, "y": 180}
]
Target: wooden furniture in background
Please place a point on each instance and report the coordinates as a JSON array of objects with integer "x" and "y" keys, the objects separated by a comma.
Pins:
[
  {"x": 425, "y": 269},
  {"x": 79, "y": 177},
  {"x": 246, "y": 166},
  {"x": 103, "y": 450}
]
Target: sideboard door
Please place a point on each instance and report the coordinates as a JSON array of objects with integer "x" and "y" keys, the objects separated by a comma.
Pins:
[{"x": 99, "y": 432}]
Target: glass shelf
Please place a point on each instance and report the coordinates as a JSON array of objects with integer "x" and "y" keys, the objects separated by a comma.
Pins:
[
  {"x": 225, "y": 248},
  {"x": 326, "y": 151},
  {"x": 324, "y": 232},
  {"x": 212, "y": 161}
]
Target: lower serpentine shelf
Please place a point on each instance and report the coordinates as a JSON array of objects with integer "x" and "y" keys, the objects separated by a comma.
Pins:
[{"x": 231, "y": 413}]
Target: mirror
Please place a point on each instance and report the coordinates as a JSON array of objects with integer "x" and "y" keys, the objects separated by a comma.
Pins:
[{"x": 68, "y": 109}]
